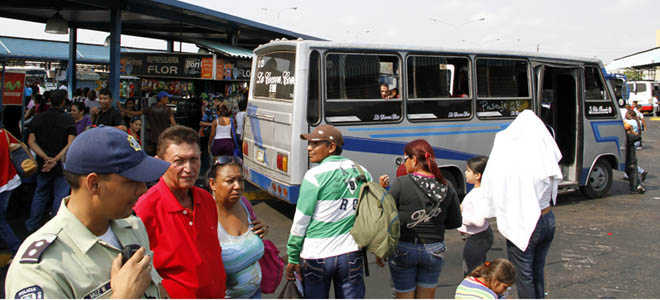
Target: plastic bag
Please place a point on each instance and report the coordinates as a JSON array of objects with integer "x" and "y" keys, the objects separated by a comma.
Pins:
[{"x": 290, "y": 291}]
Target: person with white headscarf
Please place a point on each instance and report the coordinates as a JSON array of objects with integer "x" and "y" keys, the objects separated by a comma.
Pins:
[{"x": 520, "y": 182}]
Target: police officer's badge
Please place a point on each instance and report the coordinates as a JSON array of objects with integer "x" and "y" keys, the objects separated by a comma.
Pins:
[
  {"x": 32, "y": 292},
  {"x": 134, "y": 143}
]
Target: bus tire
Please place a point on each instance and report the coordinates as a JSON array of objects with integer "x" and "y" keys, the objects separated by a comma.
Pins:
[{"x": 599, "y": 181}]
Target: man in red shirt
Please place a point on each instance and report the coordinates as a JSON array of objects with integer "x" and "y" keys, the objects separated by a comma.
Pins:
[{"x": 182, "y": 221}]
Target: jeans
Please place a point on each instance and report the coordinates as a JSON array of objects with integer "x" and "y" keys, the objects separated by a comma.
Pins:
[
  {"x": 6, "y": 233},
  {"x": 49, "y": 187},
  {"x": 475, "y": 250},
  {"x": 529, "y": 264},
  {"x": 416, "y": 264},
  {"x": 344, "y": 270}
]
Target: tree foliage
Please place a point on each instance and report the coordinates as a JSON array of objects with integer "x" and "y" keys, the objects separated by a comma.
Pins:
[{"x": 633, "y": 74}]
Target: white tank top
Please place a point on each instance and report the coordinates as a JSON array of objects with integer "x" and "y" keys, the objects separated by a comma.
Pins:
[{"x": 222, "y": 132}]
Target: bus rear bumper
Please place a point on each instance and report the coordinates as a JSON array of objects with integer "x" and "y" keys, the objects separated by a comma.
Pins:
[{"x": 279, "y": 190}]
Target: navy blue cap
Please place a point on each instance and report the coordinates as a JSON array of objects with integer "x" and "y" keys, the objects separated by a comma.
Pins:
[
  {"x": 163, "y": 94},
  {"x": 108, "y": 150}
]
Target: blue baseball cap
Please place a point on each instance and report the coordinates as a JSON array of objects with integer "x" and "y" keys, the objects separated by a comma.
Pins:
[
  {"x": 163, "y": 94},
  {"x": 108, "y": 150}
]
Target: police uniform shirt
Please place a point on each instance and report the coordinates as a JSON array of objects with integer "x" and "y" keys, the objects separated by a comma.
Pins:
[{"x": 63, "y": 259}]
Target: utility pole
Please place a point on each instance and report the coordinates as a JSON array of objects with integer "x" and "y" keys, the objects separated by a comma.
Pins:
[{"x": 537, "y": 47}]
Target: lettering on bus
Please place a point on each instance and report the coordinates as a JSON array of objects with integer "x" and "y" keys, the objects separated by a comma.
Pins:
[
  {"x": 384, "y": 117},
  {"x": 453, "y": 114},
  {"x": 600, "y": 110},
  {"x": 274, "y": 76},
  {"x": 267, "y": 78}
]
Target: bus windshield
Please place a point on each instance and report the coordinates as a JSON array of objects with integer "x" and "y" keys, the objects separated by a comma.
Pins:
[{"x": 275, "y": 75}]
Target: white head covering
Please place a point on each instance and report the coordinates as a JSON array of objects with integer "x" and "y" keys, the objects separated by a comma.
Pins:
[{"x": 522, "y": 165}]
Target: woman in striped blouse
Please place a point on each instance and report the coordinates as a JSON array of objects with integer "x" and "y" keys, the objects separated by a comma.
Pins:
[
  {"x": 239, "y": 235},
  {"x": 488, "y": 281}
]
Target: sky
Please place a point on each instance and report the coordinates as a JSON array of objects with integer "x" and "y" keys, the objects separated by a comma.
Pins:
[{"x": 606, "y": 29}]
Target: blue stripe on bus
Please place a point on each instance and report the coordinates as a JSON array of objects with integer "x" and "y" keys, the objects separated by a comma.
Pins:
[
  {"x": 265, "y": 184},
  {"x": 415, "y": 134},
  {"x": 498, "y": 127},
  {"x": 396, "y": 148},
  {"x": 583, "y": 176},
  {"x": 606, "y": 139},
  {"x": 256, "y": 129},
  {"x": 254, "y": 122},
  {"x": 501, "y": 125}
]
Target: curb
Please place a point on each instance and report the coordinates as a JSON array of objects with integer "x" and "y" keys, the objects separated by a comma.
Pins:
[{"x": 257, "y": 195}]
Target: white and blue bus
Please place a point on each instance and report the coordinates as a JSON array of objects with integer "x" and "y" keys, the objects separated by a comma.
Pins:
[{"x": 455, "y": 99}]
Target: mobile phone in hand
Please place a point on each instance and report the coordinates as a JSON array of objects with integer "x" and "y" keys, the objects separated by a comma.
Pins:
[{"x": 128, "y": 251}]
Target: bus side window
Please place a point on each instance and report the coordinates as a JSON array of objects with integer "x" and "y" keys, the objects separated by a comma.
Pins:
[
  {"x": 503, "y": 88},
  {"x": 597, "y": 99},
  {"x": 314, "y": 92},
  {"x": 438, "y": 88},
  {"x": 353, "y": 91}
]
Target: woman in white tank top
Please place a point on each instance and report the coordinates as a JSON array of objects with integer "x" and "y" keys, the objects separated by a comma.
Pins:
[{"x": 221, "y": 131}]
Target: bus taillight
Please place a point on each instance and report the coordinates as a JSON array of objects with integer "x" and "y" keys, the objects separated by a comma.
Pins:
[
  {"x": 245, "y": 148},
  {"x": 282, "y": 162}
]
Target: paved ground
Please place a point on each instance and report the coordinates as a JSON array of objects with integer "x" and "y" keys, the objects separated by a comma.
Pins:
[{"x": 603, "y": 248}]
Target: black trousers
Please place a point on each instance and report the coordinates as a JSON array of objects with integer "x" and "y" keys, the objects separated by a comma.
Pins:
[
  {"x": 475, "y": 250},
  {"x": 631, "y": 162}
]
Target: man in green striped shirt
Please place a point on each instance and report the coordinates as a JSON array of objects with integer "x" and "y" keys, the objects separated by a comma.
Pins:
[{"x": 320, "y": 244}]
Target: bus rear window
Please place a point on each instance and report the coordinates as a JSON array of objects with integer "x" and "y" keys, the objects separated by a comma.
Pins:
[{"x": 275, "y": 75}]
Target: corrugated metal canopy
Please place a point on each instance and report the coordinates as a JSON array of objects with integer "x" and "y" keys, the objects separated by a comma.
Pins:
[
  {"x": 42, "y": 50},
  {"x": 641, "y": 60},
  {"x": 161, "y": 19},
  {"x": 224, "y": 49}
]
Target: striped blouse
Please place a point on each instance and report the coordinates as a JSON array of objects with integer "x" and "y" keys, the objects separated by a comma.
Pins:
[
  {"x": 240, "y": 255},
  {"x": 471, "y": 289}
]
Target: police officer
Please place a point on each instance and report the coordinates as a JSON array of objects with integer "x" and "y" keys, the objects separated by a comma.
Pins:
[{"x": 78, "y": 253}]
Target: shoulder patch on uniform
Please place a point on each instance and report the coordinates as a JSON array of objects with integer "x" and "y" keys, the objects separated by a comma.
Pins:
[
  {"x": 33, "y": 253},
  {"x": 32, "y": 292}
]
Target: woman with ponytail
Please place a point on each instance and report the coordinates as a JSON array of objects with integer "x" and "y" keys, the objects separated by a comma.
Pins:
[
  {"x": 428, "y": 205},
  {"x": 488, "y": 281}
]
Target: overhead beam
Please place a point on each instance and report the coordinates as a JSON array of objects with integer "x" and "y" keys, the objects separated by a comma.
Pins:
[
  {"x": 187, "y": 19},
  {"x": 71, "y": 69},
  {"x": 115, "y": 52}
]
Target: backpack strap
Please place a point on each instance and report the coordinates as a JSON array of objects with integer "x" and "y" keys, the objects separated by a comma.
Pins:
[{"x": 362, "y": 178}]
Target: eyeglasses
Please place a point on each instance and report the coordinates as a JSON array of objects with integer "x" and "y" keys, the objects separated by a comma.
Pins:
[
  {"x": 401, "y": 160},
  {"x": 226, "y": 159}
]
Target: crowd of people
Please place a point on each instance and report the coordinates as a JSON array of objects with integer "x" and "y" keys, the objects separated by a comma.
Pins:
[{"x": 109, "y": 235}]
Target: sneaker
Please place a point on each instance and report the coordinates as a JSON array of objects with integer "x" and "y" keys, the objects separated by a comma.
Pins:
[
  {"x": 639, "y": 148},
  {"x": 643, "y": 175},
  {"x": 639, "y": 190}
]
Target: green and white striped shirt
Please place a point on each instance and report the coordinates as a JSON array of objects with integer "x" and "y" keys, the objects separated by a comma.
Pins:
[{"x": 325, "y": 212}]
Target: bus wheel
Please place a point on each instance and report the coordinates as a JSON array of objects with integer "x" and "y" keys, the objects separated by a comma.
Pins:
[{"x": 599, "y": 181}]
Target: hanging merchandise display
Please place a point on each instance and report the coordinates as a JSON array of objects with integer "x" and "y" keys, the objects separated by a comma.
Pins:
[{"x": 175, "y": 87}]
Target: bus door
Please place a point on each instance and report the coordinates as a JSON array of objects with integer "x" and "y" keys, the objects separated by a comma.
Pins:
[{"x": 558, "y": 97}]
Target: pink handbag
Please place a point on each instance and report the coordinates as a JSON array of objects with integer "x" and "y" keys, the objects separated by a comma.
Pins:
[{"x": 272, "y": 265}]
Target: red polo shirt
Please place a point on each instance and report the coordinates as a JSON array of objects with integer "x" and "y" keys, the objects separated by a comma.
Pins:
[{"x": 185, "y": 243}]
